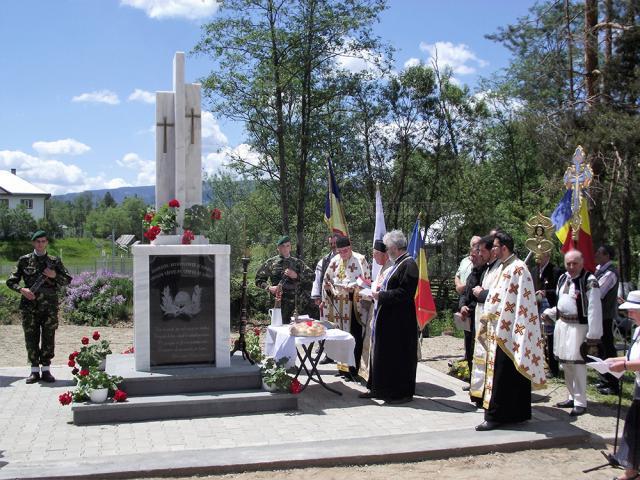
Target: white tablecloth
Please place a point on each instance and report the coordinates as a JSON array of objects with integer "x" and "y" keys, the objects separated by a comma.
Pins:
[{"x": 280, "y": 343}]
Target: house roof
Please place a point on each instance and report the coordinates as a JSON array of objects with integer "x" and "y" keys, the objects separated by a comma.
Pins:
[{"x": 13, "y": 184}]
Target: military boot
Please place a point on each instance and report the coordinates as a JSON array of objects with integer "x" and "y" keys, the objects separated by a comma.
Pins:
[
  {"x": 33, "y": 378},
  {"x": 47, "y": 377}
]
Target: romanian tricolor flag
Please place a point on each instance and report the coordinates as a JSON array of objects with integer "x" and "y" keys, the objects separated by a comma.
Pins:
[
  {"x": 425, "y": 306},
  {"x": 561, "y": 218},
  {"x": 415, "y": 241},
  {"x": 333, "y": 210}
]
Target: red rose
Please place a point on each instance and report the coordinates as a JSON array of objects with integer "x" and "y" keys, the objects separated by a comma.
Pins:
[
  {"x": 256, "y": 331},
  {"x": 296, "y": 386},
  {"x": 74, "y": 355},
  {"x": 120, "y": 396},
  {"x": 84, "y": 372},
  {"x": 74, "y": 371},
  {"x": 187, "y": 237},
  {"x": 174, "y": 203},
  {"x": 309, "y": 324},
  {"x": 85, "y": 341},
  {"x": 66, "y": 398},
  {"x": 71, "y": 363},
  {"x": 152, "y": 233},
  {"x": 96, "y": 335},
  {"x": 148, "y": 217},
  {"x": 216, "y": 214},
  {"x": 128, "y": 350}
]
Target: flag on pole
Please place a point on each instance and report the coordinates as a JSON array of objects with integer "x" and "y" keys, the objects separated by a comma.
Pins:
[
  {"x": 561, "y": 218},
  {"x": 416, "y": 241},
  {"x": 425, "y": 306},
  {"x": 333, "y": 209},
  {"x": 378, "y": 232}
]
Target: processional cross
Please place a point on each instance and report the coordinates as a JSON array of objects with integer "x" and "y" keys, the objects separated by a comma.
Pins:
[
  {"x": 164, "y": 124},
  {"x": 577, "y": 177}
]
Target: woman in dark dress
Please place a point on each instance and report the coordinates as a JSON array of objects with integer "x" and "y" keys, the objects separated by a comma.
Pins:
[
  {"x": 394, "y": 344},
  {"x": 628, "y": 454}
]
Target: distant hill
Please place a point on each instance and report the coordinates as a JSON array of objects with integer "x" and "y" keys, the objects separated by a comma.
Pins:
[{"x": 146, "y": 193}]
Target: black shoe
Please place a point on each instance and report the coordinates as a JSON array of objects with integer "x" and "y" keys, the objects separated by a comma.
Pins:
[
  {"x": 33, "y": 378},
  {"x": 47, "y": 377},
  {"x": 608, "y": 391},
  {"x": 577, "y": 411},
  {"x": 326, "y": 361},
  {"x": 565, "y": 404},
  {"x": 398, "y": 401},
  {"x": 487, "y": 425},
  {"x": 367, "y": 394}
]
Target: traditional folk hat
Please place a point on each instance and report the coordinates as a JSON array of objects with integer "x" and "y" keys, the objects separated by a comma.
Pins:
[
  {"x": 379, "y": 246},
  {"x": 342, "y": 242},
  {"x": 284, "y": 239},
  {"x": 38, "y": 234},
  {"x": 633, "y": 301}
]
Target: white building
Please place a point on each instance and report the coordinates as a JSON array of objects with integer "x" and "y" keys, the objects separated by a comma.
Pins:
[{"x": 15, "y": 191}]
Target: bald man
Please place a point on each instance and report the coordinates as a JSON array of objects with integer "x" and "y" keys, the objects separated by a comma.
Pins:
[{"x": 578, "y": 316}]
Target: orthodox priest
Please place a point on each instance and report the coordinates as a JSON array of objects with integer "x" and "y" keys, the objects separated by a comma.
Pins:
[
  {"x": 381, "y": 257},
  {"x": 346, "y": 274},
  {"x": 515, "y": 357},
  {"x": 394, "y": 346}
]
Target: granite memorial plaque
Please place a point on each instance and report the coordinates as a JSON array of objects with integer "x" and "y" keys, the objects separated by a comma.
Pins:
[{"x": 182, "y": 309}]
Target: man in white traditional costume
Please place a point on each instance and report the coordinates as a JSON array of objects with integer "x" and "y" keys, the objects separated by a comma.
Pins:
[
  {"x": 340, "y": 296},
  {"x": 381, "y": 257},
  {"x": 515, "y": 357},
  {"x": 578, "y": 316}
]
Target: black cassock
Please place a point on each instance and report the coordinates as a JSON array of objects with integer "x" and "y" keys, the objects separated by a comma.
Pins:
[{"x": 394, "y": 347}]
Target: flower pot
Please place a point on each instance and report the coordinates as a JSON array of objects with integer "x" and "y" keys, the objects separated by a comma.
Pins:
[
  {"x": 167, "y": 240},
  {"x": 98, "y": 395},
  {"x": 269, "y": 388}
]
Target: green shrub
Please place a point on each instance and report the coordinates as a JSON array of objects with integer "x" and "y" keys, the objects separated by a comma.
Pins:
[{"x": 9, "y": 305}]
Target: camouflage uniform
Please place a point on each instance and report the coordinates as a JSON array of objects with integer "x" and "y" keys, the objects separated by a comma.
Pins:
[
  {"x": 272, "y": 273},
  {"x": 39, "y": 316}
]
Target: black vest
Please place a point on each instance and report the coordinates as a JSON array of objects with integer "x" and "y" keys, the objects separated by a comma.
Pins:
[
  {"x": 610, "y": 300},
  {"x": 582, "y": 284}
]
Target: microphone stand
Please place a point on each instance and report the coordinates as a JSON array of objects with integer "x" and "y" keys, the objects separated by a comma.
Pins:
[{"x": 240, "y": 345}]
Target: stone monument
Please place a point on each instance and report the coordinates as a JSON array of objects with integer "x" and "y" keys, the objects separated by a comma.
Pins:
[{"x": 181, "y": 292}]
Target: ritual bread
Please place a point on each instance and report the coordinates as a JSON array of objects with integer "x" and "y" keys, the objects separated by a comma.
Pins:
[{"x": 307, "y": 329}]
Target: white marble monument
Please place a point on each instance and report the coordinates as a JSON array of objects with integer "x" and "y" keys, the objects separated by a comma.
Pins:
[{"x": 181, "y": 292}]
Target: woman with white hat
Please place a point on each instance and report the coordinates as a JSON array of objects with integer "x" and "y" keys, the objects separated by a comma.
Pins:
[{"x": 628, "y": 454}]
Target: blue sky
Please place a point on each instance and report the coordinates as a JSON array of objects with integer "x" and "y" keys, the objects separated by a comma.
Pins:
[{"x": 78, "y": 78}]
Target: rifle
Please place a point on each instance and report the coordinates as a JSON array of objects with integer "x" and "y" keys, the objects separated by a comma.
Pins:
[{"x": 37, "y": 285}]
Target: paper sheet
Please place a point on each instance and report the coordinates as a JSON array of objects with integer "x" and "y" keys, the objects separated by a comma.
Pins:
[{"x": 602, "y": 367}]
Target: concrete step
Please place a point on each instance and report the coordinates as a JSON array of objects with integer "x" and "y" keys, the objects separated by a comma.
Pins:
[
  {"x": 184, "y": 405},
  {"x": 189, "y": 379}
]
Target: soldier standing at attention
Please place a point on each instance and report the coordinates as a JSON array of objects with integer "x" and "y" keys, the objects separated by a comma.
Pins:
[
  {"x": 43, "y": 275},
  {"x": 287, "y": 276}
]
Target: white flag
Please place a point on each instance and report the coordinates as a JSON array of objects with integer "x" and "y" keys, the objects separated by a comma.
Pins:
[{"x": 379, "y": 231}]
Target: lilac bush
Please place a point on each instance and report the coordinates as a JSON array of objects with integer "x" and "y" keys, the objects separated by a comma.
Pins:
[{"x": 98, "y": 298}]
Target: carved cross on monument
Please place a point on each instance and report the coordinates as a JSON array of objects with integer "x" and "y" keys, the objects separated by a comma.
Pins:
[
  {"x": 193, "y": 117},
  {"x": 164, "y": 125}
]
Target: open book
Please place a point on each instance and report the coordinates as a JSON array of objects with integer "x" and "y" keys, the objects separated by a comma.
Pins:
[{"x": 602, "y": 367}]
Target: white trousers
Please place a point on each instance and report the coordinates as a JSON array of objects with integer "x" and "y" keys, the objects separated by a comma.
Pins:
[{"x": 575, "y": 377}]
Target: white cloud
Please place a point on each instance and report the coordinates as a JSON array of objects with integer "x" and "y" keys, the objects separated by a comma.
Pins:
[
  {"x": 212, "y": 136},
  {"x": 68, "y": 146},
  {"x": 190, "y": 9},
  {"x": 214, "y": 162},
  {"x": 412, "y": 62},
  {"x": 357, "y": 62},
  {"x": 54, "y": 176},
  {"x": 459, "y": 58},
  {"x": 102, "y": 96},
  {"x": 146, "y": 168},
  {"x": 139, "y": 95}
]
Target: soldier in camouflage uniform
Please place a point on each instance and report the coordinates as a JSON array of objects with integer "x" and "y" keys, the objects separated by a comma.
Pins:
[
  {"x": 289, "y": 274},
  {"x": 43, "y": 274}
]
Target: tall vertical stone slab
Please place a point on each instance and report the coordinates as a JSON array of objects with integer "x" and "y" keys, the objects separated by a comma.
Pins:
[
  {"x": 180, "y": 171},
  {"x": 165, "y": 147},
  {"x": 193, "y": 143}
]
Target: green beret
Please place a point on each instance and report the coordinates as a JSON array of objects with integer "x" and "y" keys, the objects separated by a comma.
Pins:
[
  {"x": 283, "y": 239},
  {"x": 38, "y": 234}
]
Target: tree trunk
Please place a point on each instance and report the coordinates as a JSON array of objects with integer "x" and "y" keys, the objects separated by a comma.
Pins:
[
  {"x": 280, "y": 137},
  {"x": 608, "y": 51},
  {"x": 591, "y": 50},
  {"x": 567, "y": 18}
]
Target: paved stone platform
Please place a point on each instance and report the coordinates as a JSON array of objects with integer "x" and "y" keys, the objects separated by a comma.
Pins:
[{"x": 39, "y": 440}]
